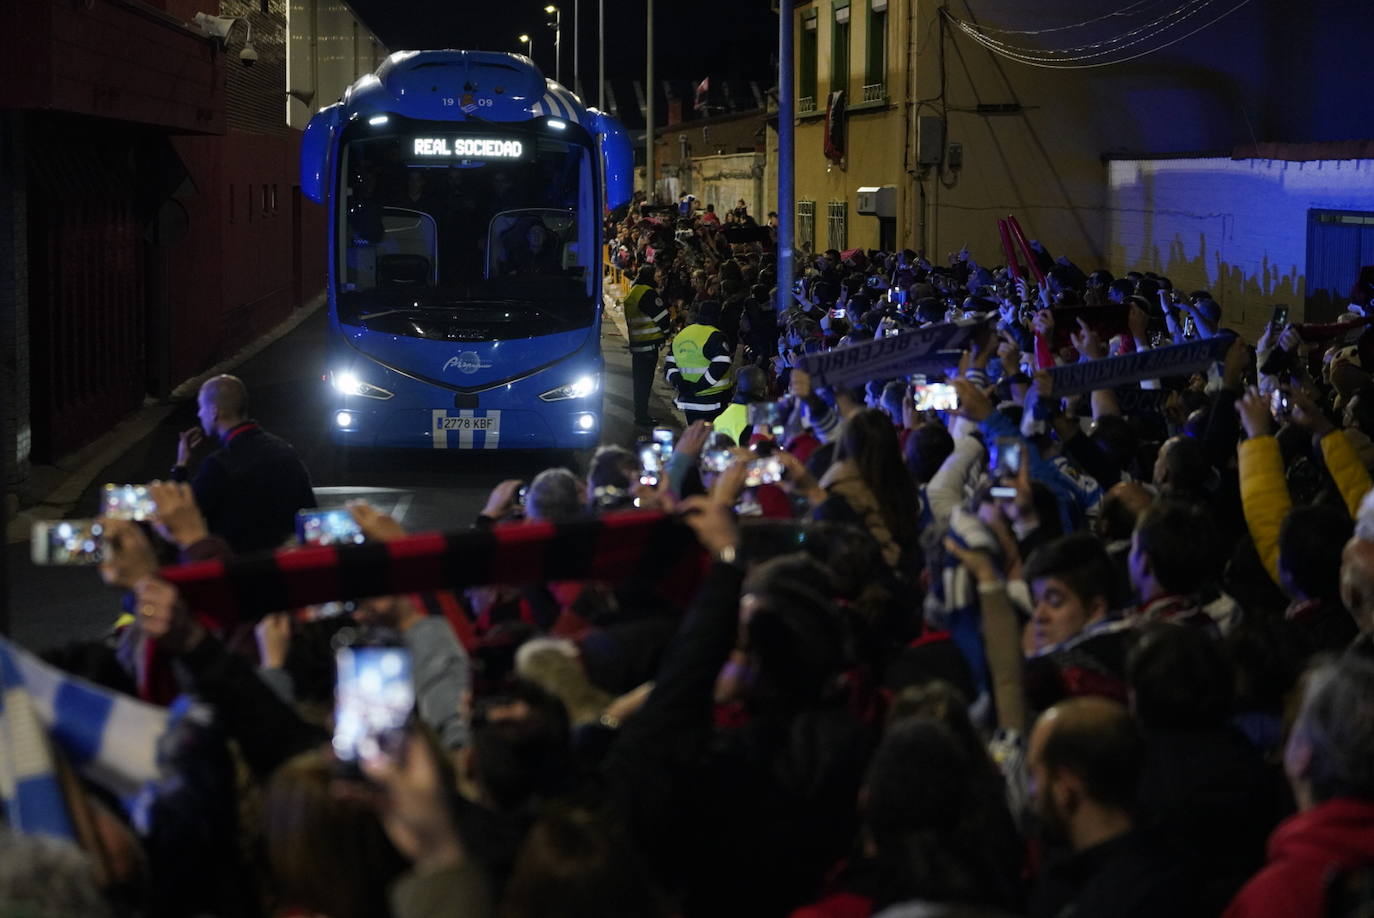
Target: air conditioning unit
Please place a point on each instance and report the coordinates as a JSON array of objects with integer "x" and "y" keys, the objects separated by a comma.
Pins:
[{"x": 878, "y": 201}]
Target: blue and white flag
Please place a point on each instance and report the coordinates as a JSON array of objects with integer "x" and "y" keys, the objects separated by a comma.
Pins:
[
  {"x": 953, "y": 604},
  {"x": 108, "y": 737},
  {"x": 1174, "y": 360}
]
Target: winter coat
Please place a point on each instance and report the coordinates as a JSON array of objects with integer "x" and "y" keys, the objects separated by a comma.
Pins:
[
  {"x": 1264, "y": 491},
  {"x": 1304, "y": 852}
]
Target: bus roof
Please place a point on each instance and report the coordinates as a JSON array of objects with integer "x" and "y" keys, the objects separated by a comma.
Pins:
[{"x": 458, "y": 85}]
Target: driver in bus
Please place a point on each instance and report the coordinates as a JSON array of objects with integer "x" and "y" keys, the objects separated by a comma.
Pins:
[{"x": 534, "y": 252}]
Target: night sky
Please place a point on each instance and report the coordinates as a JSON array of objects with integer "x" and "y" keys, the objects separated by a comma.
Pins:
[{"x": 696, "y": 38}]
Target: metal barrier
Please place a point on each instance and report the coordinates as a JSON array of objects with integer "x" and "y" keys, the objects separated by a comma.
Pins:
[{"x": 614, "y": 278}]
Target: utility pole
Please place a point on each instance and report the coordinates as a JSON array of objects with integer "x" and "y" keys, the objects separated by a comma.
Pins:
[
  {"x": 650, "y": 186},
  {"x": 557, "y": 26},
  {"x": 786, "y": 149}
]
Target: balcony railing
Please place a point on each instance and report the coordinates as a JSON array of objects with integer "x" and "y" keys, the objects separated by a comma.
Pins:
[{"x": 875, "y": 92}]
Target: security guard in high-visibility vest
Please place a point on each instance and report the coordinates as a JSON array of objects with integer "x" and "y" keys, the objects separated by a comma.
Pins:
[
  {"x": 751, "y": 388},
  {"x": 699, "y": 365},
  {"x": 646, "y": 317}
]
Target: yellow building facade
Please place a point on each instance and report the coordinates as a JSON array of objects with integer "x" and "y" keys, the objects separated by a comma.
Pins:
[{"x": 967, "y": 136}]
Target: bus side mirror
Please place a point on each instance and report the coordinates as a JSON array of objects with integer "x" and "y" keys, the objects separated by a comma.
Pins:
[
  {"x": 617, "y": 156},
  {"x": 315, "y": 152}
]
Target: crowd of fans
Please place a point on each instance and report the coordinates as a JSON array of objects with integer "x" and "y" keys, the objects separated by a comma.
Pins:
[{"x": 1100, "y": 655}]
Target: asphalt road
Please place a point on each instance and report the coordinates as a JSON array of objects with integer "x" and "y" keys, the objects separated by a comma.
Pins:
[{"x": 425, "y": 489}]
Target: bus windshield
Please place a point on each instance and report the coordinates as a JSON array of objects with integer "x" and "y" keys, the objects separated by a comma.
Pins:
[{"x": 439, "y": 216}]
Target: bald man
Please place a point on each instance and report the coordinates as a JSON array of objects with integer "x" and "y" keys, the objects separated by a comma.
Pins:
[
  {"x": 1084, "y": 758},
  {"x": 251, "y": 487}
]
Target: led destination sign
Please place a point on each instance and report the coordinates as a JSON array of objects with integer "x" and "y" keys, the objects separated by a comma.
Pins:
[{"x": 468, "y": 148}]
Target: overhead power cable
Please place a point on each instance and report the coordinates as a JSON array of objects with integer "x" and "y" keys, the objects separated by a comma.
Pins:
[{"x": 1062, "y": 59}]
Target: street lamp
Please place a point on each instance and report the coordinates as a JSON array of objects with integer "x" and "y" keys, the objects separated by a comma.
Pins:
[
  {"x": 557, "y": 26},
  {"x": 529, "y": 43}
]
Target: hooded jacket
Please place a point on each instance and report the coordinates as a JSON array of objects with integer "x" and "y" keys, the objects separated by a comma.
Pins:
[{"x": 1304, "y": 852}]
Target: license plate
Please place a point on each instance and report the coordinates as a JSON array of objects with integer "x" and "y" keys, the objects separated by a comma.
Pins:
[
  {"x": 447, "y": 423},
  {"x": 465, "y": 430}
]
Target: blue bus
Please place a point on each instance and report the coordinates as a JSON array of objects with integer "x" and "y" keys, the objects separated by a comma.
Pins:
[{"x": 465, "y": 195}]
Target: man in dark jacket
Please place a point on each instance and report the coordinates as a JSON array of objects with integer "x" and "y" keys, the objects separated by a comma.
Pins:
[
  {"x": 1084, "y": 758},
  {"x": 251, "y": 487}
]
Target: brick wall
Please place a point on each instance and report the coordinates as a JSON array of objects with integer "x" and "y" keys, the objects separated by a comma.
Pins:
[
  {"x": 14, "y": 310},
  {"x": 1235, "y": 227},
  {"x": 257, "y": 95}
]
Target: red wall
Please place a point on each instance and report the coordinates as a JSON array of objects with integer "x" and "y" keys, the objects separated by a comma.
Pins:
[
  {"x": 110, "y": 61},
  {"x": 233, "y": 278}
]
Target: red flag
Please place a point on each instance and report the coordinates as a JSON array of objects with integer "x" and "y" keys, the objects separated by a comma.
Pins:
[{"x": 703, "y": 89}]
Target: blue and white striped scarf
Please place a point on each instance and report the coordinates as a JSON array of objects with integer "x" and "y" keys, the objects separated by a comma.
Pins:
[
  {"x": 952, "y": 604},
  {"x": 107, "y": 737}
]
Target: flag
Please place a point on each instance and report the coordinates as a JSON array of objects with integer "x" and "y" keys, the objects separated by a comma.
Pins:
[
  {"x": 953, "y": 605},
  {"x": 893, "y": 355},
  {"x": 107, "y": 737},
  {"x": 703, "y": 90}
]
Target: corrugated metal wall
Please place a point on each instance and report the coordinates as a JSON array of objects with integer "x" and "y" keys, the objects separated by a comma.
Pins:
[{"x": 86, "y": 284}]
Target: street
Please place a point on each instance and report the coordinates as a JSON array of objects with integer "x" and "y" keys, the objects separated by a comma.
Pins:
[{"x": 424, "y": 489}]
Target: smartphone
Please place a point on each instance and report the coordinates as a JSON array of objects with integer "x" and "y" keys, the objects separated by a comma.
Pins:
[
  {"x": 650, "y": 464},
  {"x": 327, "y": 527},
  {"x": 1280, "y": 404},
  {"x": 373, "y": 698},
  {"x": 935, "y": 397},
  {"x": 127, "y": 502},
  {"x": 892, "y": 331},
  {"x": 1278, "y": 319},
  {"x": 716, "y": 459},
  {"x": 67, "y": 542},
  {"x": 664, "y": 437},
  {"x": 767, "y": 416},
  {"x": 767, "y": 470},
  {"x": 324, "y": 610},
  {"x": 1008, "y": 459}
]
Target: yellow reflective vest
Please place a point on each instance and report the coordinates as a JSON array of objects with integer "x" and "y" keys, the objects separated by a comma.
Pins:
[
  {"x": 645, "y": 330},
  {"x": 732, "y": 421},
  {"x": 689, "y": 353}
]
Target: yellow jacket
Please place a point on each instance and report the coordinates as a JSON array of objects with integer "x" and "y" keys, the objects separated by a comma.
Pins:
[{"x": 1264, "y": 490}]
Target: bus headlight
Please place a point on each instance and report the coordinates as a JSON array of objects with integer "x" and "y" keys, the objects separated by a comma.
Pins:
[
  {"x": 581, "y": 387},
  {"x": 349, "y": 384}
]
